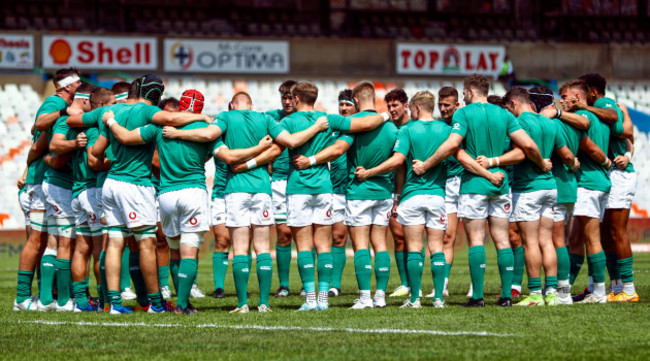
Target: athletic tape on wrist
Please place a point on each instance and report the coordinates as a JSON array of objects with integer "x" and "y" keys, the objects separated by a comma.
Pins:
[
  {"x": 386, "y": 116},
  {"x": 629, "y": 155},
  {"x": 252, "y": 163},
  {"x": 110, "y": 122},
  {"x": 312, "y": 160},
  {"x": 489, "y": 162}
]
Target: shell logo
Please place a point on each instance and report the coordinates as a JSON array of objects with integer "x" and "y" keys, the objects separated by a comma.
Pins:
[
  {"x": 194, "y": 221},
  {"x": 132, "y": 215},
  {"x": 60, "y": 51}
]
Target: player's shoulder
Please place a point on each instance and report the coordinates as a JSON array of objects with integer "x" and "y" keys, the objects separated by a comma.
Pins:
[{"x": 605, "y": 102}]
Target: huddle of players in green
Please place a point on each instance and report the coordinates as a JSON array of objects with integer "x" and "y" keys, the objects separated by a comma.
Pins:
[{"x": 357, "y": 173}]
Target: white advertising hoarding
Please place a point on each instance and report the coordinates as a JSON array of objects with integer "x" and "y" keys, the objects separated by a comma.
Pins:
[{"x": 437, "y": 59}]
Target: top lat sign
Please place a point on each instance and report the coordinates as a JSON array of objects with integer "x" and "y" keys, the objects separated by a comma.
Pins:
[
  {"x": 100, "y": 52},
  {"x": 430, "y": 59}
]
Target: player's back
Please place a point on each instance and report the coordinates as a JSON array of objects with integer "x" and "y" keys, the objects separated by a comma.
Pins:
[
  {"x": 132, "y": 163},
  {"x": 591, "y": 174},
  {"x": 528, "y": 176}
]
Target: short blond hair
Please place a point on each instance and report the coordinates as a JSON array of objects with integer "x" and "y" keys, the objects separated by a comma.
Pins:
[
  {"x": 425, "y": 99},
  {"x": 364, "y": 91}
]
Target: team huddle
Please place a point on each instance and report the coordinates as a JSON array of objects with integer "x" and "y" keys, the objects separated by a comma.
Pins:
[{"x": 115, "y": 169}]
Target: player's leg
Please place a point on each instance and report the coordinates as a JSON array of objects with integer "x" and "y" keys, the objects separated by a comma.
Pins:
[
  {"x": 473, "y": 210},
  {"x": 299, "y": 219},
  {"x": 436, "y": 224},
  {"x": 29, "y": 256},
  {"x": 113, "y": 264},
  {"x": 339, "y": 241},
  {"x": 261, "y": 219},
  {"x": 449, "y": 242},
  {"x": 63, "y": 262},
  {"x": 220, "y": 258},
  {"x": 519, "y": 260},
  {"x": 323, "y": 243},
  {"x": 401, "y": 254},
  {"x": 624, "y": 255},
  {"x": 162, "y": 250},
  {"x": 358, "y": 220},
  {"x": 79, "y": 263},
  {"x": 549, "y": 260},
  {"x": 526, "y": 213},
  {"x": 609, "y": 247},
  {"x": 411, "y": 215},
  {"x": 238, "y": 222},
  {"x": 561, "y": 218},
  {"x": 499, "y": 230},
  {"x": 283, "y": 236},
  {"x": 189, "y": 252},
  {"x": 381, "y": 214}
]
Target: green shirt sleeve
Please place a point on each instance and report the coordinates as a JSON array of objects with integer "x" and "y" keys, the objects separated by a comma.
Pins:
[
  {"x": 403, "y": 143},
  {"x": 91, "y": 119},
  {"x": 273, "y": 128},
  {"x": 458, "y": 123},
  {"x": 348, "y": 138},
  {"x": 92, "y": 134},
  {"x": 513, "y": 124},
  {"x": 50, "y": 105},
  {"x": 339, "y": 122},
  {"x": 150, "y": 111},
  {"x": 149, "y": 132},
  {"x": 61, "y": 127},
  {"x": 221, "y": 121},
  {"x": 559, "y": 139}
]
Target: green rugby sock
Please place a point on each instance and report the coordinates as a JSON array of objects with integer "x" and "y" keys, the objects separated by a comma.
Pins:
[
  {"x": 63, "y": 280},
  {"x": 519, "y": 265},
  {"x": 447, "y": 269},
  {"x": 551, "y": 282},
  {"x": 24, "y": 287},
  {"x": 264, "y": 276},
  {"x": 250, "y": 260},
  {"x": 186, "y": 271},
  {"x": 241, "y": 273},
  {"x": 339, "y": 258},
  {"x": 414, "y": 267},
  {"x": 100, "y": 294},
  {"x": 382, "y": 270},
  {"x": 283, "y": 259},
  {"x": 306, "y": 271},
  {"x": 138, "y": 279},
  {"x": 363, "y": 269},
  {"x": 438, "y": 273},
  {"x": 477, "y": 270},
  {"x": 506, "y": 262},
  {"x": 80, "y": 294},
  {"x": 313, "y": 254},
  {"x": 576, "y": 264},
  {"x": 535, "y": 284},
  {"x": 563, "y": 263},
  {"x": 597, "y": 263},
  {"x": 219, "y": 268},
  {"x": 115, "y": 298},
  {"x": 612, "y": 266},
  {"x": 163, "y": 276},
  {"x": 125, "y": 282},
  {"x": 102, "y": 277},
  {"x": 48, "y": 270},
  {"x": 324, "y": 270},
  {"x": 625, "y": 267},
  {"x": 173, "y": 269},
  {"x": 400, "y": 260},
  {"x": 155, "y": 299},
  {"x": 194, "y": 280}
]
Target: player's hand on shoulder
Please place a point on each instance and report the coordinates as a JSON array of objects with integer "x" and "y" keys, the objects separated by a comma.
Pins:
[
  {"x": 483, "y": 161},
  {"x": 322, "y": 123},
  {"x": 207, "y": 118},
  {"x": 108, "y": 115},
  {"x": 300, "y": 162},
  {"x": 266, "y": 142},
  {"x": 170, "y": 132}
]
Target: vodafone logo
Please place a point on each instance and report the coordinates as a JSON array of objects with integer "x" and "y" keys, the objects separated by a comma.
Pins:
[
  {"x": 56, "y": 209},
  {"x": 443, "y": 219},
  {"x": 132, "y": 215},
  {"x": 92, "y": 217},
  {"x": 194, "y": 221},
  {"x": 389, "y": 214},
  {"x": 99, "y": 52},
  {"x": 265, "y": 213},
  {"x": 328, "y": 213},
  {"x": 507, "y": 207}
]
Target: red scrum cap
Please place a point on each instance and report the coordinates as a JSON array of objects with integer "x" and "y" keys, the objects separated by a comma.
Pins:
[{"x": 191, "y": 101}]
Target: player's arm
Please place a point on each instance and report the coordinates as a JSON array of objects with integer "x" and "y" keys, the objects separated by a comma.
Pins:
[
  {"x": 521, "y": 138},
  {"x": 472, "y": 166},
  {"x": 57, "y": 161},
  {"x": 628, "y": 126},
  {"x": 297, "y": 139},
  {"x": 59, "y": 145},
  {"x": 177, "y": 119},
  {"x": 568, "y": 158},
  {"x": 326, "y": 155},
  {"x": 99, "y": 148},
  {"x": 607, "y": 115},
  {"x": 47, "y": 120},
  {"x": 594, "y": 152},
  {"x": 234, "y": 156},
  {"x": 512, "y": 157},
  {"x": 75, "y": 121},
  {"x": 20, "y": 182},
  {"x": 37, "y": 149},
  {"x": 123, "y": 135},
  {"x": 266, "y": 157},
  {"x": 622, "y": 161},
  {"x": 199, "y": 135},
  {"x": 446, "y": 149},
  {"x": 575, "y": 120},
  {"x": 368, "y": 122},
  {"x": 386, "y": 167},
  {"x": 97, "y": 164}
]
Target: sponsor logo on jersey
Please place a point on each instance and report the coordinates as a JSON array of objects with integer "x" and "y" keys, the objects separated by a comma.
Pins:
[
  {"x": 132, "y": 215},
  {"x": 194, "y": 221}
]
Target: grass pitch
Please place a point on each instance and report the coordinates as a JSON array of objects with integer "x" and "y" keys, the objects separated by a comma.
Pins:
[{"x": 550, "y": 333}]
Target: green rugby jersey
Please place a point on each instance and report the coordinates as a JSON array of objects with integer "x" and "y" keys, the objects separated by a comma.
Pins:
[
  {"x": 592, "y": 175},
  {"x": 485, "y": 128},
  {"x": 281, "y": 163},
  {"x": 617, "y": 145},
  {"x": 244, "y": 129},
  {"x": 36, "y": 170},
  {"x": 61, "y": 177},
  {"x": 182, "y": 162},
  {"x": 339, "y": 168},
  {"x": 132, "y": 164},
  {"x": 220, "y": 177},
  {"x": 94, "y": 119},
  {"x": 420, "y": 140},
  {"x": 567, "y": 185},
  {"x": 368, "y": 150},
  {"x": 83, "y": 176},
  {"x": 543, "y": 131},
  {"x": 315, "y": 179}
]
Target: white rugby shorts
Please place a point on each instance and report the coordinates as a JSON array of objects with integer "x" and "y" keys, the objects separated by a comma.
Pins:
[
  {"x": 338, "y": 208},
  {"x": 452, "y": 195},
  {"x": 590, "y": 203},
  {"x": 364, "y": 212},
  {"x": 562, "y": 212},
  {"x": 25, "y": 205},
  {"x": 279, "y": 197},
  {"x": 58, "y": 201},
  {"x": 246, "y": 209},
  {"x": 217, "y": 211},
  {"x": 426, "y": 209},
  {"x": 624, "y": 186},
  {"x": 480, "y": 206},
  {"x": 128, "y": 205},
  {"x": 36, "y": 196},
  {"x": 307, "y": 209},
  {"x": 530, "y": 206},
  {"x": 184, "y": 211},
  {"x": 86, "y": 210}
]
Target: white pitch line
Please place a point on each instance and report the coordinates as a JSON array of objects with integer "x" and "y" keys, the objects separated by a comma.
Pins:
[{"x": 275, "y": 328}]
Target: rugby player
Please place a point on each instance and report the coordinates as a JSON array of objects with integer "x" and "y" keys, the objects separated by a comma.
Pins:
[
  {"x": 279, "y": 173},
  {"x": 624, "y": 182},
  {"x": 483, "y": 128}
]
